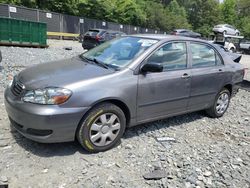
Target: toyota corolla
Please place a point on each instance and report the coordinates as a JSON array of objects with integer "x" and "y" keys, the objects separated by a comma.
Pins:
[{"x": 124, "y": 82}]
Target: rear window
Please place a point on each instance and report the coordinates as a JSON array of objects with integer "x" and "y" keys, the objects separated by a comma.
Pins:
[{"x": 94, "y": 33}]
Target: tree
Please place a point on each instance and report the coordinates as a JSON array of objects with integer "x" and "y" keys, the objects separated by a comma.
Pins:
[
  {"x": 228, "y": 8},
  {"x": 244, "y": 7},
  {"x": 203, "y": 15},
  {"x": 178, "y": 16}
]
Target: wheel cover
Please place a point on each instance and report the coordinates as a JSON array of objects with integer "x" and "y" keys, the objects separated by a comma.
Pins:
[
  {"x": 222, "y": 103},
  {"x": 105, "y": 129}
]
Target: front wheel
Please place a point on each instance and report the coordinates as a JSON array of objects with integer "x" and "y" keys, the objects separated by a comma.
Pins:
[
  {"x": 220, "y": 105},
  {"x": 102, "y": 128}
]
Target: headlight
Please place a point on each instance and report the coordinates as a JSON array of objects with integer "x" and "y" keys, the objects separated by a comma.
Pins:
[{"x": 51, "y": 95}]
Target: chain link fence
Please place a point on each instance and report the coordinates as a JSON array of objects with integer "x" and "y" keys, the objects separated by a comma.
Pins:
[{"x": 67, "y": 23}]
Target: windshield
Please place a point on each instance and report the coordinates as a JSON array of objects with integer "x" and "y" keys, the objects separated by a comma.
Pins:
[{"x": 120, "y": 51}]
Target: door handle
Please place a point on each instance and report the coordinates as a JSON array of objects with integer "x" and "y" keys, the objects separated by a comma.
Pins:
[
  {"x": 185, "y": 75},
  {"x": 220, "y": 70}
]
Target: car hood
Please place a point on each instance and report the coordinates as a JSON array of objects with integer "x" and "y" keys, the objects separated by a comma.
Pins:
[{"x": 60, "y": 73}]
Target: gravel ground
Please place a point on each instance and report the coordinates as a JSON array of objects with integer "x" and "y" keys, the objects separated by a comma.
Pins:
[{"x": 203, "y": 152}]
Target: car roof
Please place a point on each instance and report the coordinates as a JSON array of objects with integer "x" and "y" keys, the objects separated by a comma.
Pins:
[
  {"x": 108, "y": 30},
  {"x": 166, "y": 37},
  {"x": 179, "y": 30}
]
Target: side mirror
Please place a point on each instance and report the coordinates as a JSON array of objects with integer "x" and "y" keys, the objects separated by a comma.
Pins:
[{"x": 152, "y": 67}]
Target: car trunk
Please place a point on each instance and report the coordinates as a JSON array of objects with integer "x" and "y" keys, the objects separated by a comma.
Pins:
[{"x": 93, "y": 36}]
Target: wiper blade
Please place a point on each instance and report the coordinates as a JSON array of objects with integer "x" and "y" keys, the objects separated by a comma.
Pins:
[
  {"x": 104, "y": 65},
  {"x": 85, "y": 58},
  {"x": 100, "y": 63}
]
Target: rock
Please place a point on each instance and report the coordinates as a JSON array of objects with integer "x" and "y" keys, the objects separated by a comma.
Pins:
[
  {"x": 188, "y": 185},
  {"x": 7, "y": 147},
  {"x": 3, "y": 179},
  {"x": 157, "y": 165},
  {"x": 68, "y": 48},
  {"x": 192, "y": 179},
  {"x": 207, "y": 173},
  {"x": 3, "y": 144},
  {"x": 165, "y": 139},
  {"x": 84, "y": 171},
  {"x": 200, "y": 178},
  {"x": 128, "y": 146},
  {"x": 45, "y": 170},
  {"x": 155, "y": 175}
]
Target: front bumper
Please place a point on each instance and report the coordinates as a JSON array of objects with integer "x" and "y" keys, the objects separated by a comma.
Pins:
[{"x": 43, "y": 123}]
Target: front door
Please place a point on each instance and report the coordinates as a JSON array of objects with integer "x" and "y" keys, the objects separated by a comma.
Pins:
[{"x": 167, "y": 92}]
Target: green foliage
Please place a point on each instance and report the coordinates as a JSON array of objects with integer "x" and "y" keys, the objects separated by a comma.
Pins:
[
  {"x": 166, "y": 15},
  {"x": 203, "y": 15},
  {"x": 228, "y": 9}
]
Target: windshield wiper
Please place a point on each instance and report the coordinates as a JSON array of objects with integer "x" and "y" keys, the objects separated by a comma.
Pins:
[{"x": 100, "y": 63}]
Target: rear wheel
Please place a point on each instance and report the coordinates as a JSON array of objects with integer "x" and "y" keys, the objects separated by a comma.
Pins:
[
  {"x": 102, "y": 128},
  {"x": 220, "y": 105}
]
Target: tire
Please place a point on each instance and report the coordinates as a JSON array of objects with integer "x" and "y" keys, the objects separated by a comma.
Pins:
[
  {"x": 213, "y": 111},
  {"x": 98, "y": 131}
]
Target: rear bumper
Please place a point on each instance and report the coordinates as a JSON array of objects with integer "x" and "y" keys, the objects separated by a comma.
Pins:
[{"x": 43, "y": 123}]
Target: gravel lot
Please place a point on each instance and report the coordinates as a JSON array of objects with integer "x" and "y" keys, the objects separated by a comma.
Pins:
[{"x": 205, "y": 152}]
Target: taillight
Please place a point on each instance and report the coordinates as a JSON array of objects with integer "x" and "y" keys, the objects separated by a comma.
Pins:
[{"x": 97, "y": 38}]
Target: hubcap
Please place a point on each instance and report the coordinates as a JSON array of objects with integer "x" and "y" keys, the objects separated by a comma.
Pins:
[
  {"x": 105, "y": 129},
  {"x": 222, "y": 103}
]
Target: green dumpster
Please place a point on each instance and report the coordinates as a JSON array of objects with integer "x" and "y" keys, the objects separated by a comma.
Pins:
[{"x": 16, "y": 32}]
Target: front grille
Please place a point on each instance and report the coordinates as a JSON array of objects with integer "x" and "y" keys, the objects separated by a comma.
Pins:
[{"x": 17, "y": 87}]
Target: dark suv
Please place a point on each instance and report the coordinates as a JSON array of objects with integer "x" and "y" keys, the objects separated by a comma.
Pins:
[
  {"x": 94, "y": 37},
  {"x": 186, "y": 33}
]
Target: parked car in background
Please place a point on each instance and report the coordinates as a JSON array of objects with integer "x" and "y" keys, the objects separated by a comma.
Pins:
[
  {"x": 226, "y": 29},
  {"x": 230, "y": 42},
  {"x": 121, "y": 83},
  {"x": 245, "y": 46},
  {"x": 95, "y": 37},
  {"x": 186, "y": 33}
]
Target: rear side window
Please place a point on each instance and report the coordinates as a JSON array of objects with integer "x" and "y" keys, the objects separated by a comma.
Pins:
[
  {"x": 94, "y": 33},
  {"x": 204, "y": 56},
  {"x": 172, "y": 56}
]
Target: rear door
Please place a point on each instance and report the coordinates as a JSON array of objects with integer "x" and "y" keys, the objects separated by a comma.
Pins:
[
  {"x": 164, "y": 93},
  {"x": 207, "y": 75}
]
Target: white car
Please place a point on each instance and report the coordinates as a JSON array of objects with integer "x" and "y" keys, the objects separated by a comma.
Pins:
[
  {"x": 245, "y": 46},
  {"x": 226, "y": 29}
]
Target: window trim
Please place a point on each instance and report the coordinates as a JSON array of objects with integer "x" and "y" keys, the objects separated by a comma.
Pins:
[
  {"x": 205, "y": 44},
  {"x": 144, "y": 61}
]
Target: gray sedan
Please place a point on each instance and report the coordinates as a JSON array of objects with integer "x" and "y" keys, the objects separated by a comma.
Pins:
[{"x": 121, "y": 83}]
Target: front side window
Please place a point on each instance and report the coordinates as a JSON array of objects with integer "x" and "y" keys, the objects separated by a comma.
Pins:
[
  {"x": 120, "y": 51},
  {"x": 172, "y": 56},
  {"x": 204, "y": 56}
]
